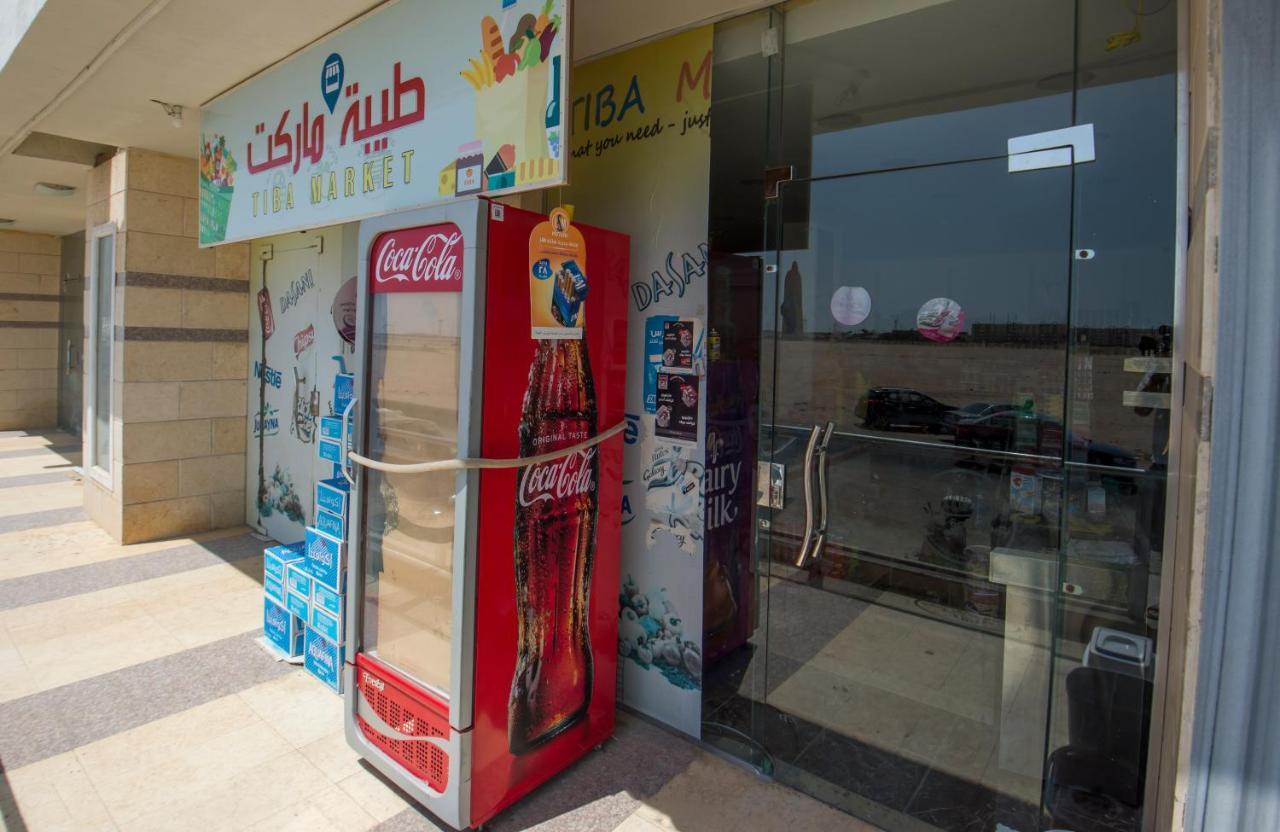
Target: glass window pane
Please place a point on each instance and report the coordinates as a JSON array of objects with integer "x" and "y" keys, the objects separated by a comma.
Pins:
[
  {"x": 412, "y": 416},
  {"x": 105, "y": 284}
]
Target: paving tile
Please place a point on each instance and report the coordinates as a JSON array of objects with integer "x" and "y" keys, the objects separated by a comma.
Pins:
[
  {"x": 861, "y": 768},
  {"x": 54, "y": 795},
  {"x": 955, "y": 804},
  {"x": 58, "y": 720},
  {"x": 41, "y": 519},
  {"x": 374, "y": 794},
  {"x": 297, "y": 706},
  {"x": 716, "y": 796},
  {"x": 34, "y": 479},
  {"x": 44, "y": 450},
  {"x": 330, "y": 810},
  {"x": 78, "y": 580},
  {"x": 602, "y": 788}
]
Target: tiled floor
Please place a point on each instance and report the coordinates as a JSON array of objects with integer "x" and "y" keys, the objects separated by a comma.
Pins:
[{"x": 133, "y": 697}]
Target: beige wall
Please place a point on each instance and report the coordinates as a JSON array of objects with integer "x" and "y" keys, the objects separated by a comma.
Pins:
[
  {"x": 182, "y": 347},
  {"x": 29, "y": 287}
]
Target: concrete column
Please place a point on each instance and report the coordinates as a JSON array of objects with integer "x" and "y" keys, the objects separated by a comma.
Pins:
[
  {"x": 181, "y": 338},
  {"x": 28, "y": 330}
]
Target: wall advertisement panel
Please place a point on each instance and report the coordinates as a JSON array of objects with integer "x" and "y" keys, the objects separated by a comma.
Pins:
[
  {"x": 640, "y": 145},
  {"x": 301, "y": 332},
  {"x": 419, "y": 102}
]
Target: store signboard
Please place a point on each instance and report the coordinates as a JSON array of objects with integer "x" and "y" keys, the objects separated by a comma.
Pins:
[{"x": 419, "y": 102}]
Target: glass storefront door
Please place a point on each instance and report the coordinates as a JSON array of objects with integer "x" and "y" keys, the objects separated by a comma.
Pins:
[
  {"x": 963, "y": 406},
  {"x": 912, "y": 442}
]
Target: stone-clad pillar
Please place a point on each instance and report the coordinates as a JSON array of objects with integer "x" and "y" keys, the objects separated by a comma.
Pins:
[
  {"x": 181, "y": 340},
  {"x": 28, "y": 330}
]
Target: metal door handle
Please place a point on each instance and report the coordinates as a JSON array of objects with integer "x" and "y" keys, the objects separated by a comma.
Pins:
[
  {"x": 822, "y": 491},
  {"x": 807, "y": 473}
]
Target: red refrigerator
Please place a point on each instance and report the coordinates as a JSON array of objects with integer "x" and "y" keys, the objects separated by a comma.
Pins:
[{"x": 486, "y": 464}]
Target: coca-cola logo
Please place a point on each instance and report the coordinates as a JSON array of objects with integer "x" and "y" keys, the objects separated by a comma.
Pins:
[
  {"x": 426, "y": 259},
  {"x": 568, "y": 476}
]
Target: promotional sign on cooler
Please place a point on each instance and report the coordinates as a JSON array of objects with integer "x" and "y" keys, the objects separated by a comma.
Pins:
[{"x": 483, "y": 604}]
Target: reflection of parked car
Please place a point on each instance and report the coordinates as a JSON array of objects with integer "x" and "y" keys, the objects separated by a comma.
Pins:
[
  {"x": 883, "y": 408},
  {"x": 1036, "y": 433},
  {"x": 973, "y": 411}
]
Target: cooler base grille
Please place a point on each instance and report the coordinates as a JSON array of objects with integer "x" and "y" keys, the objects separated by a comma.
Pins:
[{"x": 405, "y": 712}]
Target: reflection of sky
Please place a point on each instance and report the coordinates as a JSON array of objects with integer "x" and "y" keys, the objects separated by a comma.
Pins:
[{"x": 997, "y": 242}]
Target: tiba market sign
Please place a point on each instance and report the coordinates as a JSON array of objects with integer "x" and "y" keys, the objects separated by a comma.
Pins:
[{"x": 423, "y": 101}]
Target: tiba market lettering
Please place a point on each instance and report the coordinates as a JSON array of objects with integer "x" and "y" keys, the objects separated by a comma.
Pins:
[{"x": 566, "y": 477}]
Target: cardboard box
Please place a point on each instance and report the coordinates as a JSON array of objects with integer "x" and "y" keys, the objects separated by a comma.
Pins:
[
  {"x": 273, "y": 589},
  {"x": 331, "y": 524},
  {"x": 326, "y": 599},
  {"x": 326, "y": 625},
  {"x": 323, "y": 659},
  {"x": 298, "y": 580},
  {"x": 326, "y": 559},
  {"x": 282, "y": 630},
  {"x": 298, "y": 605},
  {"x": 331, "y": 427},
  {"x": 344, "y": 389},
  {"x": 277, "y": 558},
  {"x": 330, "y": 450},
  {"x": 332, "y": 495}
]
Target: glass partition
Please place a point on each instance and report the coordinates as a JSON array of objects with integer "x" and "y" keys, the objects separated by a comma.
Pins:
[{"x": 964, "y": 386}]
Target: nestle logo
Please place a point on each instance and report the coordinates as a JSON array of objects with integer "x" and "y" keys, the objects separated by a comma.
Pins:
[{"x": 427, "y": 259}]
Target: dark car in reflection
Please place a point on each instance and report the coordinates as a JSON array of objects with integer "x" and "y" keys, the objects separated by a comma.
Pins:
[
  {"x": 1036, "y": 433},
  {"x": 888, "y": 408},
  {"x": 976, "y": 410}
]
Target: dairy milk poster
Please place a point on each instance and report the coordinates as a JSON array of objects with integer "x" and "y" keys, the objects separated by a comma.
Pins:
[
  {"x": 639, "y": 126},
  {"x": 419, "y": 102}
]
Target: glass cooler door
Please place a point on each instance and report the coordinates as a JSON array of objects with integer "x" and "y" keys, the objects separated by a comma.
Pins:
[{"x": 411, "y": 415}]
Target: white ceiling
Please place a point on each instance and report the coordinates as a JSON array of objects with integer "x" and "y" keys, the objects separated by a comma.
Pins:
[{"x": 166, "y": 58}]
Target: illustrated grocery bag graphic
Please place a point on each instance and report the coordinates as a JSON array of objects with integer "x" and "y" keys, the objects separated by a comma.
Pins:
[
  {"x": 515, "y": 107},
  {"x": 514, "y": 112},
  {"x": 217, "y": 185}
]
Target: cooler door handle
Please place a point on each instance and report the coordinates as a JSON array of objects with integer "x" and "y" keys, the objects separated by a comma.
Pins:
[
  {"x": 344, "y": 455},
  {"x": 463, "y": 464},
  {"x": 807, "y": 473}
]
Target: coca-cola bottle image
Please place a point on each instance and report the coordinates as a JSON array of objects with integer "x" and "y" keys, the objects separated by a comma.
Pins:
[{"x": 555, "y": 540}]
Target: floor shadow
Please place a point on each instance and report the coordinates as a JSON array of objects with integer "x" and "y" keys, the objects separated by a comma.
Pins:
[{"x": 10, "y": 815}]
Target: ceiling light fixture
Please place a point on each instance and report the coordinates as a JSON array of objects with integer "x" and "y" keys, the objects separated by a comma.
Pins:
[
  {"x": 173, "y": 111},
  {"x": 54, "y": 189}
]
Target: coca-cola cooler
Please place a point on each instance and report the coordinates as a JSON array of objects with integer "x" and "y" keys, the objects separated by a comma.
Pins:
[{"x": 486, "y": 470}]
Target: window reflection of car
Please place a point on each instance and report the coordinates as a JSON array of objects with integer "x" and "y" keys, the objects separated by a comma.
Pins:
[
  {"x": 1036, "y": 433},
  {"x": 886, "y": 408},
  {"x": 975, "y": 410}
]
